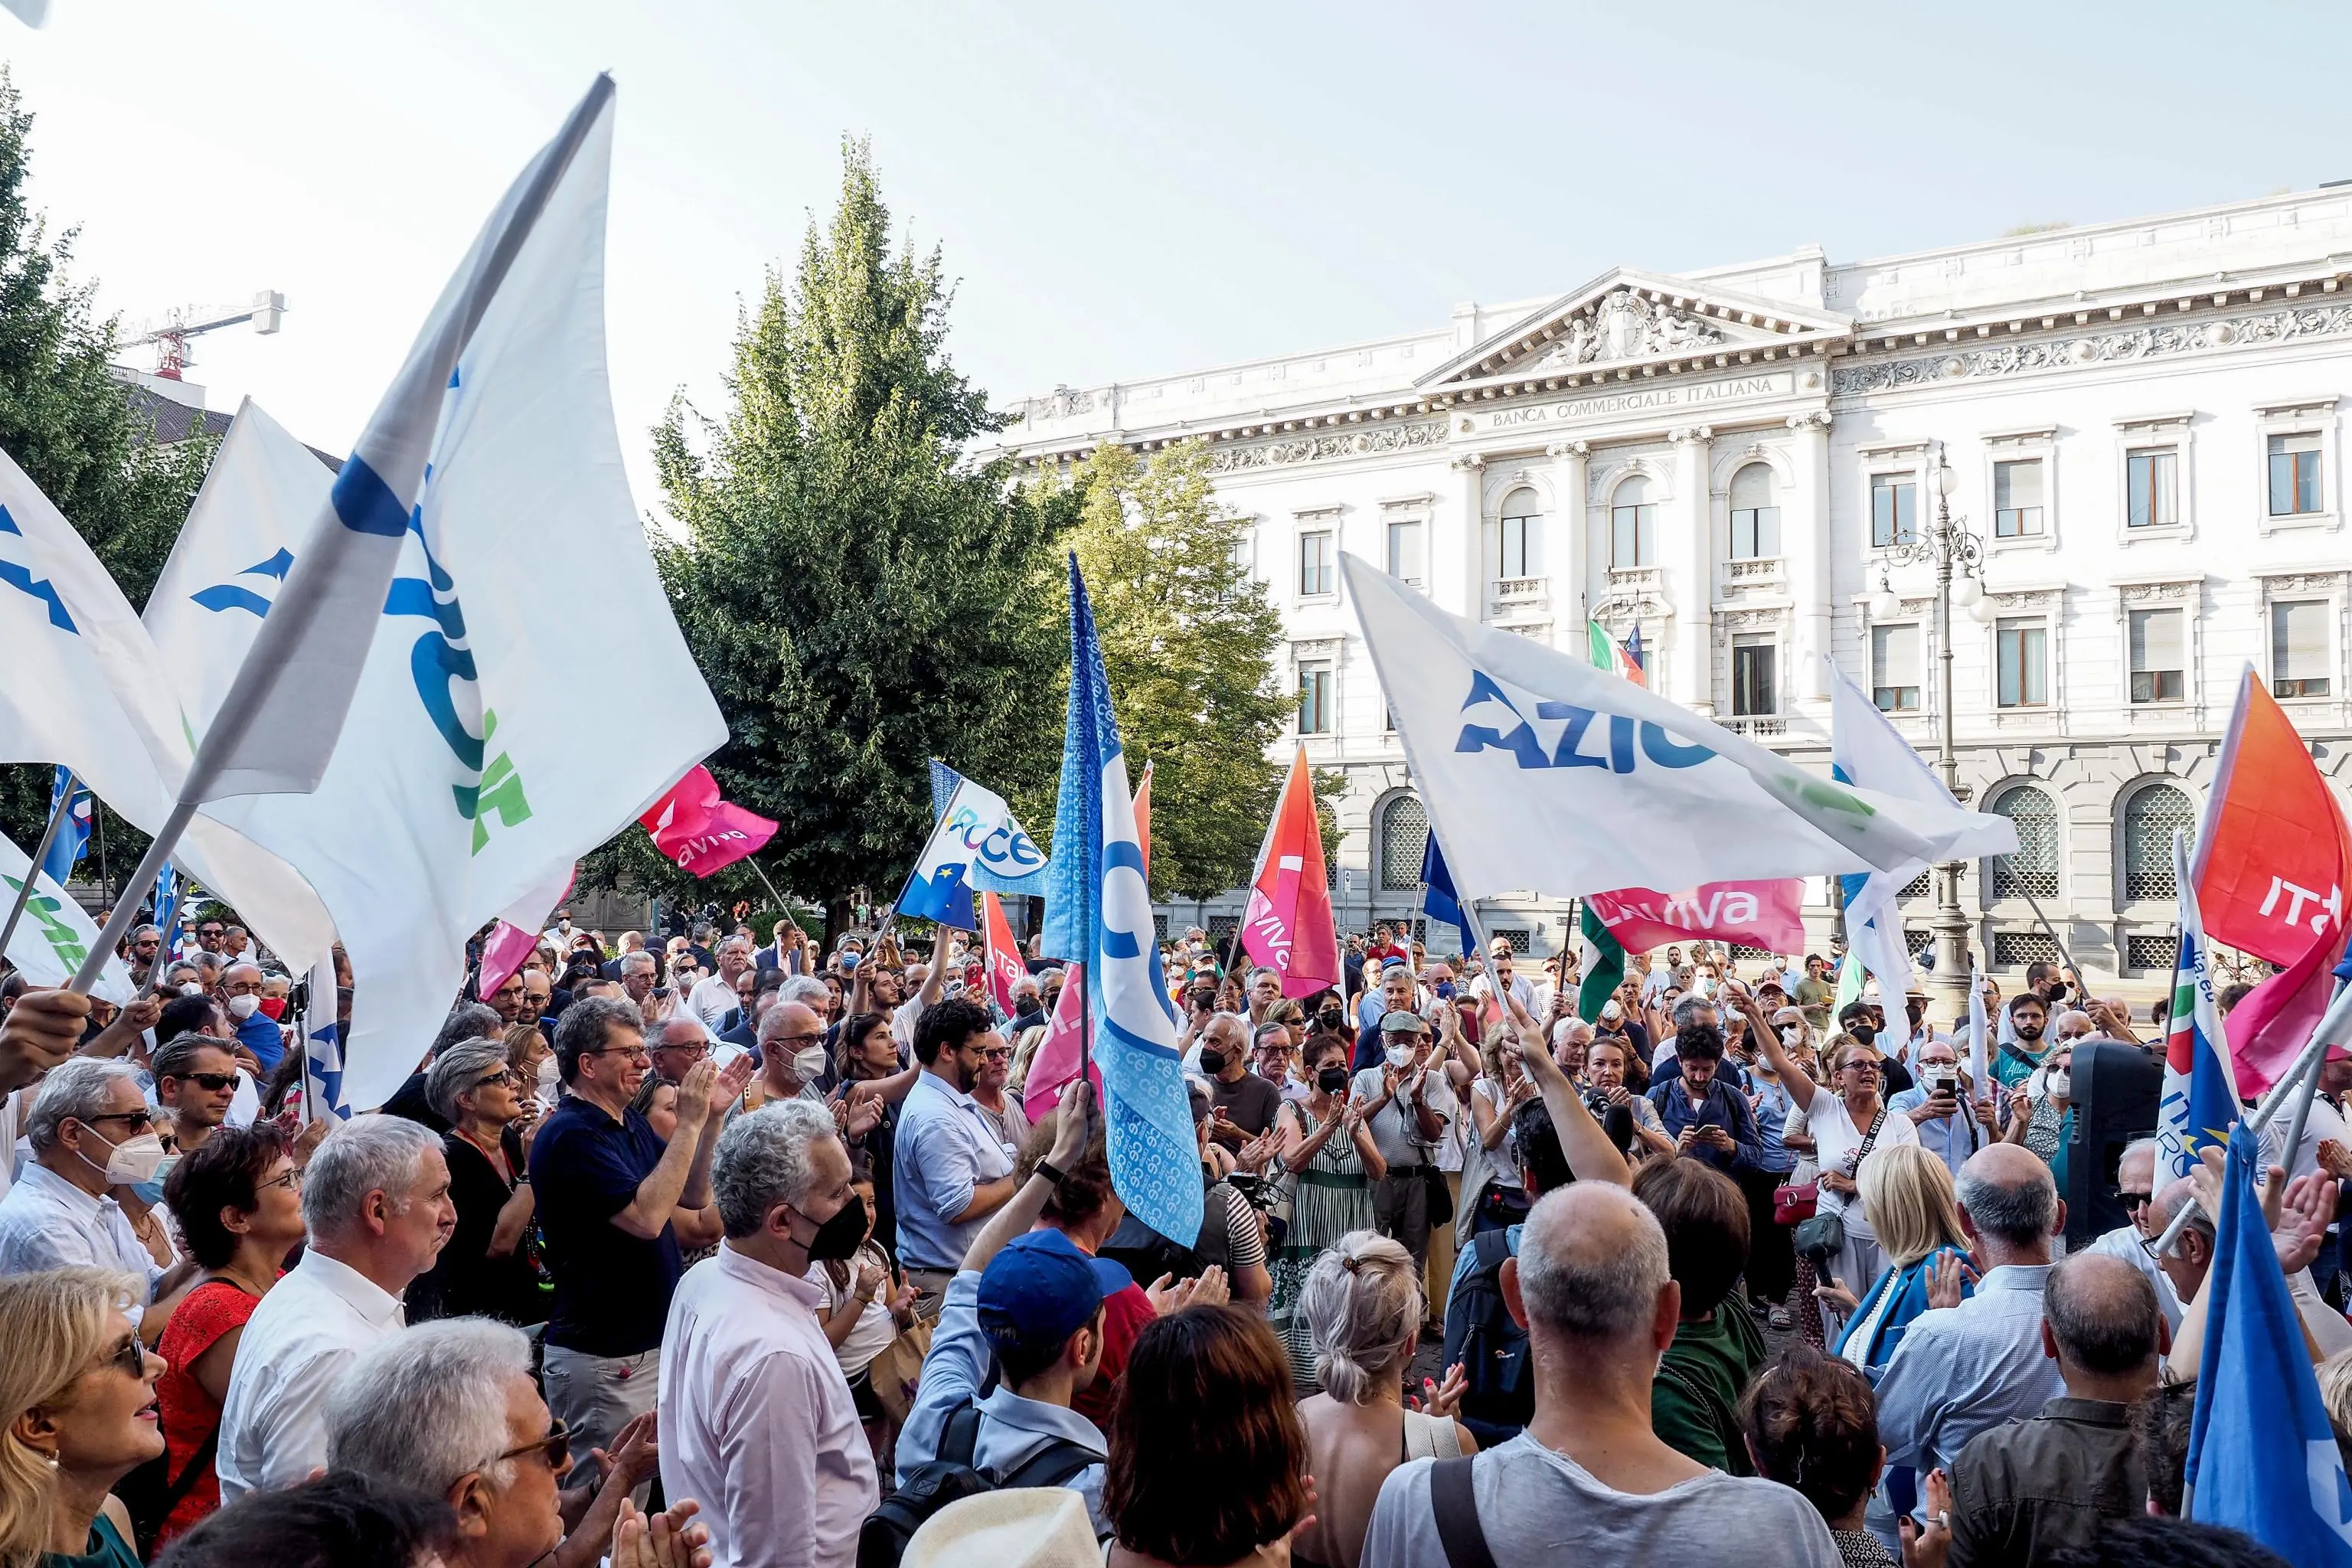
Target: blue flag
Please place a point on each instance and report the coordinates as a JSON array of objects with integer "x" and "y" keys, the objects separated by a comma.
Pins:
[
  {"x": 167, "y": 907},
  {"x": 975, "y": 844},
  {"x": 1098, "y": 912},
  {"x": 2261, "y": 1456},
  {"x": 1438, "y": 900},
  {"x": 2200, "y": 1099},
  {"x": 72, "y": 840}
]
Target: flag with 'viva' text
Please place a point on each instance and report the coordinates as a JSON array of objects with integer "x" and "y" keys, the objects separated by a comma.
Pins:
[{"x": 1287, "y": 925}]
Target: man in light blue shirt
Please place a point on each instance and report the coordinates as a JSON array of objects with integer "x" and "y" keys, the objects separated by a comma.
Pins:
[
  {"x": 951, "y": 1172},
  {"x": 1963, "y": 1370},
  {"x": 1946, "y": 1120}
]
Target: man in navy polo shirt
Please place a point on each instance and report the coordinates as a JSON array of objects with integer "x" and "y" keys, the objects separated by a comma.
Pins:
[{"x": 615, "y": 1206}]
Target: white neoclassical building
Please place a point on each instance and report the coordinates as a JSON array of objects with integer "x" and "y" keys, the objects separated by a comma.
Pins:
[{"x": 2145, "y": 420}]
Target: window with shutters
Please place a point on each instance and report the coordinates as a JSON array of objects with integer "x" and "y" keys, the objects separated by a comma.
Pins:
[
  {"x": 2159, "y": 660},
  {"x": 2299, "y": 656},
  {"x": 2017, "y": 949},
  {"x": 2022, "y": 663},
  {"x": 2152, "y": 487},
  {"x": 1318, "y": 564},
  {"x": 1404, "y": 841},
  {"x": 2149, "y": 819},
  {"x": 1755, "y": 514},
  {"x": 1896, "y": 668},
  {"x": 2016, "y": 499},
  {"x": 1893, "y": 509},
  {"x": 1405, "y": 550},
  {"x": 2034, "y": 868}
]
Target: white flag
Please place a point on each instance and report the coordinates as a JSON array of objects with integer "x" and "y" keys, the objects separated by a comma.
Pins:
[
  {"x": 277, "y": 725},
  {"x": 1551, "y": 776},
  {"x": 82, "y": 684},
  {"x": 467, "y": 775},
  {"x": 50, "y": 942}
]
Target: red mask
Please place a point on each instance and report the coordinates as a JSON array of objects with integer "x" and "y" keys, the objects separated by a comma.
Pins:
[{"x": 273, "y": 1008}]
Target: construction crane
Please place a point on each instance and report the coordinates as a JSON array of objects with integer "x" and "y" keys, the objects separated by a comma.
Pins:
[{"x": 170, "y": 331}]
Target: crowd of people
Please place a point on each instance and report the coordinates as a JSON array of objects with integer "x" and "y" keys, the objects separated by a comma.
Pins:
[{"x": 727, "y": 1247}]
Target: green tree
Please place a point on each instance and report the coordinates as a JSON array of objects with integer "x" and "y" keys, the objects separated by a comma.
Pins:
[
  {"x": 67, "y": 421},
  {"x": 1188, "y": 642},
  {"x": 859, "y": 595}
]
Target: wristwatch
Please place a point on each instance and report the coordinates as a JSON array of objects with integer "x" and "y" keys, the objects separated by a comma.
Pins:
[{"x": 1045, "y": 1169}]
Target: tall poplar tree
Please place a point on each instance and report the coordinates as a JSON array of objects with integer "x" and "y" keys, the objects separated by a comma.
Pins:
[{"x": 860, "y": 596}]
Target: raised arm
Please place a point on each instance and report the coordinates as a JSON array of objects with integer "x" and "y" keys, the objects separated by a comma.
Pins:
[
  {"x": 1793, "y": 1078},
  {"x": 1019, "y": 1215},
  {"x": 661, "y": 1193},
  {"x": 1590, "y": 1153}
]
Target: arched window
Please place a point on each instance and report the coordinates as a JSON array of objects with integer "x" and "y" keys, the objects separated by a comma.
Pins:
[
  {"x": 1519, "y": 537},
  {"x": 2149, "y": 819},
  {"x": 1755, "y": 514},
  {"x": 1633, "y": 525},
  {"x": 1404, "y": 839},
  {"x": 2034, "y": 868}
]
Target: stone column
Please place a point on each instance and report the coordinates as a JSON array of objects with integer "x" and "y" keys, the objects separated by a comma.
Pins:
[
  {"x": 1472, "y": 554},
  {"x": 1570, "y": 556},
  {"x": 1810, "y": 559},
  {"x": 1689, "y": 560}
]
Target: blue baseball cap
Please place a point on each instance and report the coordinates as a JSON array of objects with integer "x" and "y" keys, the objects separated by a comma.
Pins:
[{"x": 1041, "y": 1288}]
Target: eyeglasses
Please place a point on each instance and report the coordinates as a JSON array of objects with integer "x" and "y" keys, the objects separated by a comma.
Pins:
[
  {"x": 555, "y": 1447},
  {"x": 635, "y": 1054},
  {"x": 2131, "y": 1201},
  {"x": 139, "y": 1119},
  {"x": 997, "y": 1053},
  {"x": 290, "y": 1178},
  {"x": 212, "y": 1081},
  {"x": 129, "y": 1358},
  {"x": 501, "y": 1076},
  {"x": 797, "y": 1041},
  {"x": 208, "y": 930}
]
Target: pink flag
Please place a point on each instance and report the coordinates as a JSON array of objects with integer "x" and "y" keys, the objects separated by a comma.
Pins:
[
  {"x": 1288, "y": 926},
  {"x": 502, "y": 954},
  {"x": 701, "y": 832},
  {"x": 1059, "y": 1055},
  {"x": 1004, "y": 965},
  {"x": 1753, "y": 914}
]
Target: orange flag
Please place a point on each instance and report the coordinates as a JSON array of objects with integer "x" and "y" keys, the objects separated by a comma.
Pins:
[
  {"x": 1144, "y": 819},
  {"x": 1288, "y": 926}
]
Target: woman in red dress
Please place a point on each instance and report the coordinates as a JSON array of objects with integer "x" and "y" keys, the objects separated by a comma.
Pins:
[{"x": 239, "y": 1201}]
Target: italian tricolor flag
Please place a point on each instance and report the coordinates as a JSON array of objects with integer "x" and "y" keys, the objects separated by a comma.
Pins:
[
  {"x": 1599, "y": 954},
  {"x": 1606, "y": 653}
]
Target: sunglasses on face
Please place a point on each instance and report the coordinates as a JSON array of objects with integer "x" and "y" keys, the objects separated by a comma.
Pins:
[
  {"x": 2133, "y": 1202},
  {"x": 997, "y": 1054},
  {"x": 554, "y": 1447},
  {"x": 138, "y": 1120},
  {"x": 212, "y": 1082}
]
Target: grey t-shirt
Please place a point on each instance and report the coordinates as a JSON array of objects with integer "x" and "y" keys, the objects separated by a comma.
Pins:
[
  {"x": 1396, "y": 1131},
  {"x": 1557, "y": 1512}
]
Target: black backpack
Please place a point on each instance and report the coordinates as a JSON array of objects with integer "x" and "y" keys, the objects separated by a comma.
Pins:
[
  {"x": 951, "y": 1477},
  {"x": 1499, "y": 1395}
]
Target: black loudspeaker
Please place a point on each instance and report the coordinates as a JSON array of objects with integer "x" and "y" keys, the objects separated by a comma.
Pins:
[{"x": 2117, "y": 1087}]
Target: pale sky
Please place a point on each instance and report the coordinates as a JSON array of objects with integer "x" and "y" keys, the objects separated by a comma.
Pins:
[{"x": 1123, "y": 190}]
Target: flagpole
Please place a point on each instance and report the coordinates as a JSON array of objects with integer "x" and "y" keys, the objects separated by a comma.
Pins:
[
  {"x": 152, "y": 864},
  {"x": 33, "y": 871},
  {"x": 2055, "y": 940},
  {"x": 782, "y": 903},
  {"x": 2307, "y": 1065}
]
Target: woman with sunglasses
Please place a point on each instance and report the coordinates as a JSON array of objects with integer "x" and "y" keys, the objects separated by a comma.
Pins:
[
  {"x": 487, "y": 1267},
  {"x": 79, "y": 1390},
  {"x": 237, "y": 1198}
]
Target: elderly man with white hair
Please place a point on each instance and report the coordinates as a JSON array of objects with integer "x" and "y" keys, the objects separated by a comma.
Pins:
[
  {"x": 241, "y": 991},
  {"x": 755, "y": 1417},
  {"x": 376, "y": 1208},
  {"x": 714, "y": 995},
  {"x": 1591, "y": 1283},
  {"x": 92, "y": 1132},
  {"x": 449, "y": 1409}
]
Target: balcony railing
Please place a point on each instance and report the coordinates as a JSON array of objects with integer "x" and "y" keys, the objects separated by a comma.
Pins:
[
  {"x": 1762, "y": 569},
  {"x": 1634, "y": 581},
  {"x": 1756, "y": 727},
  {"x": 1514, "y": 598}
]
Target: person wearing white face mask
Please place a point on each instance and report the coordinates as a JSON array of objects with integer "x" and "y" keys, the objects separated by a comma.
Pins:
[
  {"x": 1406, "y": 1113},
  {"x": 241, "y": 987},
  {"x": 92, "y": 1132},
  {"x": 792, "y": 1056}
]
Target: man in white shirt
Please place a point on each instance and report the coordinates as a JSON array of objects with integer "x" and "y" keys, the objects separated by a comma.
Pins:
[
  {"x": 91, "y": 1129},
  {"x": 714, "y": 995},
  {"x": 376, "y": 1203},
  {"x": 1517, "y": 985},
  {"x": 2135, "y": 1180},
  {"x": 756, "y": 1422}
]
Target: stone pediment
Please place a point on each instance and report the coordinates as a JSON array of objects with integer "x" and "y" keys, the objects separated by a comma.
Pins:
[{"x": 1628, "y": 318}]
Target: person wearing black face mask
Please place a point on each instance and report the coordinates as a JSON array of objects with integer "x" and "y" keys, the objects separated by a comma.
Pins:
[
  {"x": 747, "y": 1368},
  {"x": 1328, "y": 1146},
  {"x": 1240, "y": 1104},
  {"x": 1865, "y": 1023}
]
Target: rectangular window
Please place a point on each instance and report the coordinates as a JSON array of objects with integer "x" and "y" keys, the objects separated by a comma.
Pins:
[
  {"x": 1755, "y": 532},
  {"x": 1317, "y": 566},
  {"x": 2159, "y": 657},
  {"x": 1895, "y": 669},
  {"x": 1404, "y": 552},
  {"x": 1751, "y": 676},
  {"x": 2151, "y": 479},
  {"x": 1633, "y": 536},
  {"x": 1893, "y": 509},
  {"x": 2294, "y": 474},
  {"x": 1512, "y": 538},
  {"x": 1245, "y": 552},
  {"x": 2021, "y": 651},
  {"x": 1315, "y": 700},
  {"x": 2299, "y": 648},
  {"x": 2017, "y": 500}
]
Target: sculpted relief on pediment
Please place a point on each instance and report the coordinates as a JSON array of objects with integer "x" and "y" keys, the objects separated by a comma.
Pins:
[{"x": 1621, "y": 324}]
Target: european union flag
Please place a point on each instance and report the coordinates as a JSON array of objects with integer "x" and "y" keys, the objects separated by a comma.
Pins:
[{"x": 2261, "y": 1456}]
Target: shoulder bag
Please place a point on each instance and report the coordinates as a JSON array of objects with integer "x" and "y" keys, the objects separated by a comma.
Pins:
[{"x": 1822, "y": 1236}]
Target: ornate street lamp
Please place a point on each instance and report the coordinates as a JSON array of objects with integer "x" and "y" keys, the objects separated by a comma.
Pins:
[{"x": 1958, "y": 555}]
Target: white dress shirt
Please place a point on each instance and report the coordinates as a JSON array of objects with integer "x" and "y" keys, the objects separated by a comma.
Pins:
[
  {"x": 313, "y": 1324},
  {"x": 711, "y": 1000},
  {"x": 47, "y": 1221},
  {"x": 756, "y": 1424}
]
